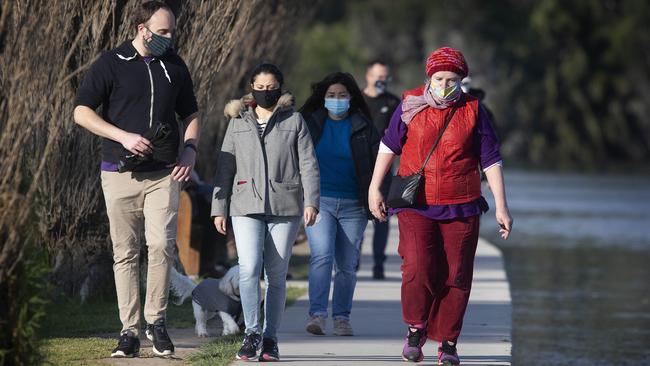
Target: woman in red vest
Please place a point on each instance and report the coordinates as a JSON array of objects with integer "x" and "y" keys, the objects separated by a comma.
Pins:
[{"x": 439, "y": 233}]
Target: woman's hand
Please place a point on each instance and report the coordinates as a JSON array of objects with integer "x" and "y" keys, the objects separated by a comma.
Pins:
[
  {"x": 375, "y": 198},
  {"x": 505, "y": 221},
  {"x": 377, "y": 204},
  {"x": 220, "y": 222},
  {"x": 310, "y": 215}
]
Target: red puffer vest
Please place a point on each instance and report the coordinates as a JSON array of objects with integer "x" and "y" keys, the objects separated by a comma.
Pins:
[{"x": 451, "y": 176}]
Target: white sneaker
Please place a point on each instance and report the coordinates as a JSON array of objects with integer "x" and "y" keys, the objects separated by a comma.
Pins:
[
  {"x": 316, "y": 325},
  {"x": 342, "y": 327}
]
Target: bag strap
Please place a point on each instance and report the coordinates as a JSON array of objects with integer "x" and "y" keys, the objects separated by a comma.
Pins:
[{"x": 447, "y": 120}]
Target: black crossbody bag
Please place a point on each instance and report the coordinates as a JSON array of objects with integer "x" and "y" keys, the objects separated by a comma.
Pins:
[{"x": 404, "y": 190}]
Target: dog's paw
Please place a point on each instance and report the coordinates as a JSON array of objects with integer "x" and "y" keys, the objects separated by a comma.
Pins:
[
  {"x": 202, "y": 332},
  {"x": 229, "y": 328},
  {"x": 227, "y": 332}
]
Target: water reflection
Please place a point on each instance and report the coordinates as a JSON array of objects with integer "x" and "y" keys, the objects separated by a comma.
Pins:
[{"x": 578, "y": 266}]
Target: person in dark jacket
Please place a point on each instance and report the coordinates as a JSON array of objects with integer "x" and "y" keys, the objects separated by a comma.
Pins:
[
  {"x": 346, "y": 146},
  {"x": 381, "y": 104}
]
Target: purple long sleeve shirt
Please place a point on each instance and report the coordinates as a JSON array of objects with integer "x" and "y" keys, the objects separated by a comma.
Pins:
[{"x": 487, "y": 149}]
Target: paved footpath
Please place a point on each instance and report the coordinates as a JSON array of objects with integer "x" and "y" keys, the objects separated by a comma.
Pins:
[{"x": 376, "y": 318}]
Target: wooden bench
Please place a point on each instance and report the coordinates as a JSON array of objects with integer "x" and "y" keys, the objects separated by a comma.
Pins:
[{"x": 188, "y": 249}]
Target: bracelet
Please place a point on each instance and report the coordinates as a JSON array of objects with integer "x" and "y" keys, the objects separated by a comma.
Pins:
[{"x": 192, "y": 146}]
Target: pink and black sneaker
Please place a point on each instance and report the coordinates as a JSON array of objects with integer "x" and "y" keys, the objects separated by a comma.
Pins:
[
  {"x": 415, "y": 339},
  {"x": 447, "y": 355}
]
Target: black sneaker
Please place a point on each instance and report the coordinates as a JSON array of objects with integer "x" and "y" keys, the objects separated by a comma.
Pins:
[
  {"x": 415, "y": 339},
  {"x": 157, "y": 333},
  {"x": 270, "y": 351},
  {"x": 249, "y": 347},
  {"x": 128, "y": 346},
  {"x": 378, "y": 272}
]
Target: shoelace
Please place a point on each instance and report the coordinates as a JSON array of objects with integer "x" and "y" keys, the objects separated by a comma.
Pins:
[
  {"x": 414, "y": 337},
  {"x": 250, "y": 341},
  {"x": 125, "y": 340}
]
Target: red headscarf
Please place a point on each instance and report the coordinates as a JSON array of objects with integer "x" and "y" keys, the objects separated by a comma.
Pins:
[{"x": 447, "y": 59}]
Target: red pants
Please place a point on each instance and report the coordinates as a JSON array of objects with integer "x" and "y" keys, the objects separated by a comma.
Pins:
[{"x": 437, "y": 269}]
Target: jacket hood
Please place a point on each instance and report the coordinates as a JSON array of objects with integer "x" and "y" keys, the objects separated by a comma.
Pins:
[{"x": 236, "y": 107}]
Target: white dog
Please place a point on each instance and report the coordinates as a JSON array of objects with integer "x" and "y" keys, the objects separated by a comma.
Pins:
[{"x": 209, "y": 298}]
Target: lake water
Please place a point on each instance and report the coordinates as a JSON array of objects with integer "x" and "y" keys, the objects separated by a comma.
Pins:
[{"x": 578, "y": 262}]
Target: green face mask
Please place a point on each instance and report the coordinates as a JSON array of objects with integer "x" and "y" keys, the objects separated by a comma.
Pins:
[{"x": 157, "y": 45}]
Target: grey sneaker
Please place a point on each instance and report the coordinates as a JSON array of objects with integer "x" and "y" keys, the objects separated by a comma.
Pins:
[
  {"x": 316, "y": 325},
  {"x": 342, "y": 327}
]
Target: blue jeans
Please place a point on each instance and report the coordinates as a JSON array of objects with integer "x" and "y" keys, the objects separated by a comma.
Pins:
[
  {"x": 333, "y": 239},
  {"x": 267, "y": 239}
]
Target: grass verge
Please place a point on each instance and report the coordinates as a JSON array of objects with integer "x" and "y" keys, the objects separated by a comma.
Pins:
[
  {"x": 221, "y": 351},
  {"x": 76, "y": 351},
  {"x": 69, "y": 318},
  {"x": 70, "y": 332}
]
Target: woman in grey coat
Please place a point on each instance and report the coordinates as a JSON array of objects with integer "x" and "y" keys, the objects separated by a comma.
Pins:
[{"x": 267, "y": 181}]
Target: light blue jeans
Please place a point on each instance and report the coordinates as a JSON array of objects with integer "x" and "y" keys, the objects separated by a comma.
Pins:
[
  {"x": 268, "y": 240},
  {"x": 335, "y": 239}
]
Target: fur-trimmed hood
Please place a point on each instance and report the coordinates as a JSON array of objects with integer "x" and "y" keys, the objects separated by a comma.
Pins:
[{"x": 236, "y": 107}]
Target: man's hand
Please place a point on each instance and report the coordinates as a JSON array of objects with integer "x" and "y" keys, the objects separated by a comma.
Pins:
[
  {"x": 220, "y": 222},
  {"x": 185, "y": 165},
  {"x": 310, "y": 216},
  {"x": 136, "y": 144}
]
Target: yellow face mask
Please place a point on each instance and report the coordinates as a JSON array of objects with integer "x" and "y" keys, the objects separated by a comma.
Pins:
[{"x": 448, "y": 93}]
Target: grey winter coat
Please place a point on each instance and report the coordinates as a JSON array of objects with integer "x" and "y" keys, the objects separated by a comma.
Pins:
[{"x": 275, "y": 174}]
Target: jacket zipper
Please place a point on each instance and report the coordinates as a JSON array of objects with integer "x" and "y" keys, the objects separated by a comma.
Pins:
[
  {"x": 255, "y": 192},
  {"x": 151, "y": 107}
]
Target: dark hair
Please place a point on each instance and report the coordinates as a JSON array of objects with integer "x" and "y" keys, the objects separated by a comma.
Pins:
[
  {"x": 267, "y": 68},
  {"x": 144, "y": 12},
  {"x": 317, "y": 99},
  {"x": 376, "y": 61}
]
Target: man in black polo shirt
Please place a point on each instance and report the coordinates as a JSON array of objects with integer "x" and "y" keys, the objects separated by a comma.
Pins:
[
  {"x": 142, "y": 86},
  {"x": 382, "y": 104}
]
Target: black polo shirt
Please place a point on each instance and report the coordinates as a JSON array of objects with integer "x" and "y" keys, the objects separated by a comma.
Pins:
[{"x": 135, "y": 92}]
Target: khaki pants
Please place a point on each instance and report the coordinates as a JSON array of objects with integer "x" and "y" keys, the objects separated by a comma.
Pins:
[{"x": 137, "y": 201}]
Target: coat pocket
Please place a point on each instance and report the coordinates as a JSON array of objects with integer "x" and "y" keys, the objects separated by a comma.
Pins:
[
  {"x": 286, "y": 198},
  {"x": 243, "y": 196}
]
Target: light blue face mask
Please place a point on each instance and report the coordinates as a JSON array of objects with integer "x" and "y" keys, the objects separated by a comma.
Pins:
[{"x": 337, "y": 107}]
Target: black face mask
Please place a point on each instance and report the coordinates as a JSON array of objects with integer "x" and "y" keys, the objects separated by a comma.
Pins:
[
  {"x": 158, "y": 45},
  {"x": 381, "y": 86},
  {"x": 267, "y": 98}
]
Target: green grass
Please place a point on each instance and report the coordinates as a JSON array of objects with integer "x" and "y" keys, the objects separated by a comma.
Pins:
[
  {"x": 70, "y": 332},
  {"x": 299, "y": 267},
  {"x": 76, "y": 351},
  {"x": 70, "y": 329},
  {"x": 218, "y": 352},
  {"x": 221, "y": 351},
  {"x": 293, "y": 293},
  {"x": 69, "y": 318}
]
